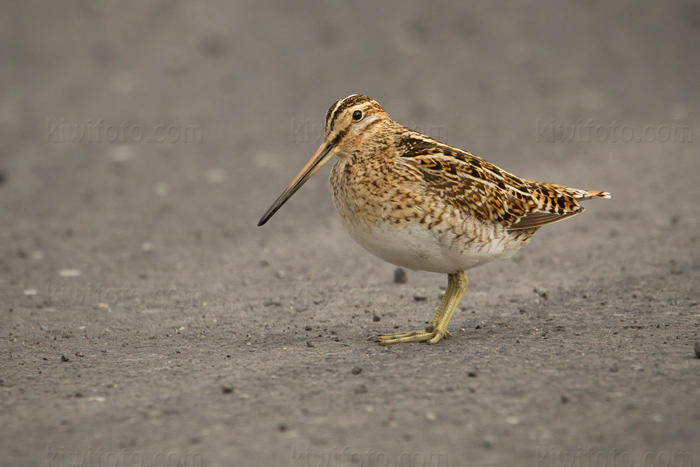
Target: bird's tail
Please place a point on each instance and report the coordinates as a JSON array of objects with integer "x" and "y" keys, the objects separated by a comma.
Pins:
[
  {"x": 579, "y": 195},
  {"x": 593, "y": 194}
]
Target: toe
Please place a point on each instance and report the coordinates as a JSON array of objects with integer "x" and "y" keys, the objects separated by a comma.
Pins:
[{"x": 438, "y": 336}]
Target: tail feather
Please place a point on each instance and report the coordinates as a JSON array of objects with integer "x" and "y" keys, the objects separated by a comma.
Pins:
[
  {"x": 554, "y": 203},
  {"x": 593, "y": 194},
  {"x": 576, "y": 193}
]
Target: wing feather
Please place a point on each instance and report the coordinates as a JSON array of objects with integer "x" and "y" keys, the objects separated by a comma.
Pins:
[{"x": 487, "y": 192}]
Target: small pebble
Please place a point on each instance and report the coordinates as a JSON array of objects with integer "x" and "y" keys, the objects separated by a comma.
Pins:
[
  {"x": 613, "y": 368},
  {"x": 64, "y": 358},
  {"x": 227, "y": 388},
  {"x": 697, "y": 349},
  {"x": 420, "y": 296},
  {"x": 123, "y": 82},
  {"x": 310, "y": 344},
  {"x": 356, "y": 370},
  {"x": 361, "y": 389},
  {"x": 69, "y": 273},
  {"x": 376, "y": 318},
  {"x": 282, "y": 427},
  {"x": 488, "y": 441},
  {"x": 400, "y": 276},
  {"x": 564, "y": 398},
  {"x": 162, "y": 189},
  {"x": 122, "y": 153},
  {"x": 214, "y": 45}
]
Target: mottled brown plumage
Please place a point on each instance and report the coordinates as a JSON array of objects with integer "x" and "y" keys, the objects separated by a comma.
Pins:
[{"x": 425, "y": 205}]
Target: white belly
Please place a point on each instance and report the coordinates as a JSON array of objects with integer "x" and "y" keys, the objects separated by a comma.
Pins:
[{"x": 416, "y": 247}]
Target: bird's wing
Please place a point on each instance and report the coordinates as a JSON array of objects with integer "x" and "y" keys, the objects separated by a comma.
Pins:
[{"x": 485, "y": 191}]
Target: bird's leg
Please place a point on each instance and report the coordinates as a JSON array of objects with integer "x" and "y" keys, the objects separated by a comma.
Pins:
[{"x": 437, "y": 328}]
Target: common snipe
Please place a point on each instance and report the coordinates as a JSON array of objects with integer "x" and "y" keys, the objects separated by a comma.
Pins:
[{"x": 424, "y": 205}]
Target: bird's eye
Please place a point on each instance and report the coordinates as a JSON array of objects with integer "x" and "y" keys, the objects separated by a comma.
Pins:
[{"x": 357, "y": 115}]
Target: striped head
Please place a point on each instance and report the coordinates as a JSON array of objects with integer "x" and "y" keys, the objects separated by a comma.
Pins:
[
  {"x": 350, "y": 119},
  {"x": 350, "y": 123}
]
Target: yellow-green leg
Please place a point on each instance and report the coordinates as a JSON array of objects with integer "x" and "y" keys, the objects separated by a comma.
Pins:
[{"x": 437, "y": 328}]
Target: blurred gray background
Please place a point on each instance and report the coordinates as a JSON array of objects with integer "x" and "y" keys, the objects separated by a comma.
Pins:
[{"x": 144, "y": 313}]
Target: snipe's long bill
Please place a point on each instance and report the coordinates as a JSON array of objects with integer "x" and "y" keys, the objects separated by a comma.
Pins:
[{"x": 424, "y": 205}]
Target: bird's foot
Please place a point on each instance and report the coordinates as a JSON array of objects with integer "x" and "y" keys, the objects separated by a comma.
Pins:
[{"x": 432, "y": 336}]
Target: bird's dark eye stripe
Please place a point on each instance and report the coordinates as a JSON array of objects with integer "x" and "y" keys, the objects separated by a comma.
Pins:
[
  {"x": 342, "y": 105},
  {"x": 356, "y": 115}
]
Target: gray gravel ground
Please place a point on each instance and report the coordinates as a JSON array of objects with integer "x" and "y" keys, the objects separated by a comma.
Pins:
[{"x": 146, "y": 320}]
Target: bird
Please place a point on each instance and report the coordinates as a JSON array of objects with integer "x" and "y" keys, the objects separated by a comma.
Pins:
[{"x": 424, "y": 205}]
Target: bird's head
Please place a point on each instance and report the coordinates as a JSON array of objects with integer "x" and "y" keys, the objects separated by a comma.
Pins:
[{"x": 351, "y": 123}]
